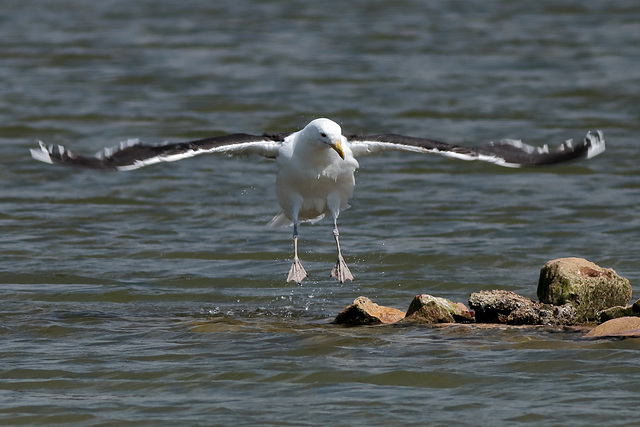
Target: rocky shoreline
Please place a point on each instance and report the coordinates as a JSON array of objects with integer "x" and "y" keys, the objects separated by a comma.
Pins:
[{"x": 572, "y": 292}]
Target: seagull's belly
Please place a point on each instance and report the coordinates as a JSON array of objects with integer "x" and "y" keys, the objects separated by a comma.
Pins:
[{"x": 314, "y": 195}]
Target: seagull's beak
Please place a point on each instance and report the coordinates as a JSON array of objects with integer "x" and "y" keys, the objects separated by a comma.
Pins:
[{"x": 337, "y": 146}]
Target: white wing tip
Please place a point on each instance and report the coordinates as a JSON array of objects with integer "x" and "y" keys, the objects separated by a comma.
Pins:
[
  {"x": 42, "y": 154},
  {"x": 596, "y": 143},
  {"x": 529, "y": 149},
  {"x": 108, "y": 151}
]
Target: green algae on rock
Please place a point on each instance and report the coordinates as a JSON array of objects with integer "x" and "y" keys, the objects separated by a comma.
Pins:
[
  {"x": 429, "y": 309},
  {"x": 587, "y": 286}
]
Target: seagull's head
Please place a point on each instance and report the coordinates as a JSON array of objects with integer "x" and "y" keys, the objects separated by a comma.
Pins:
[{"x": 326, "y": 132}]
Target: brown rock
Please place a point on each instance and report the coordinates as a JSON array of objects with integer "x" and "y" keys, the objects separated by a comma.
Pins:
[
  {"x": 429, "y": 309},
  {"x": 463, "y": 314},
  {"x": 621, "y": 327},
  {"x": 589, "y": 287},
  {"x": 363, "y": 311}
]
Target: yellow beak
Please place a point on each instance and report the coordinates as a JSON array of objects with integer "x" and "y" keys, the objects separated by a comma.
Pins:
[{"x": 338, "y": 148}]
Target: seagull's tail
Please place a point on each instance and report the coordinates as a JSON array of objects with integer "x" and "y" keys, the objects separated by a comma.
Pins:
[{"x": 279, "y": 220}]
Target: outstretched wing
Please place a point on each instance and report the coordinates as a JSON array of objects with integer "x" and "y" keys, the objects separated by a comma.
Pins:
[
  {"x": 508, "y": 152},
  {"x": 132, "y": 154}
]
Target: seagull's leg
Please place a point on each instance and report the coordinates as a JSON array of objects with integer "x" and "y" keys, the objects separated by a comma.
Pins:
[
  {"x": 340, "y": 270},
  {"x": 297, "y": 272}
]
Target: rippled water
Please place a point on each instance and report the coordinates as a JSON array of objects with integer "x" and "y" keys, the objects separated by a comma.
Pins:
[{"x": 157, "y": 296}]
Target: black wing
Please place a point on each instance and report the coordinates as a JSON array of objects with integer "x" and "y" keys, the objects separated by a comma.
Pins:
[
  {"x": 508, "y": 152},
  {"x": 132, "y": 154}
]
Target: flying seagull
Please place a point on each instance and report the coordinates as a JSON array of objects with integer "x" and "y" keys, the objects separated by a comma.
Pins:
[{"x": 316, "y": 166}]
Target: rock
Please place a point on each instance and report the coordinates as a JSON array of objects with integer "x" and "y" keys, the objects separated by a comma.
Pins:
[
  {"x": 495, "y": 306},
  {"x": 589, "y": 287},
  {"x": 621, "y": 327},
  {"x": 619, "y": 311},
  {"x": 543, "y": 314},
  {"x": 429, "y": 309},
  {"x": 463, "y": 314},
  {"x": 508, "y": 307},
  {"x": 363, "y": 311}
]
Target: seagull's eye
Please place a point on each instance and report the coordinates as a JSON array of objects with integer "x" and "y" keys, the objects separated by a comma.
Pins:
[{"x": 324, "y": 135}]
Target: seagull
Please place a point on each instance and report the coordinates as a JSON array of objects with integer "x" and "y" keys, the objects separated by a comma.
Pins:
[{"x": 316, "y": 165}]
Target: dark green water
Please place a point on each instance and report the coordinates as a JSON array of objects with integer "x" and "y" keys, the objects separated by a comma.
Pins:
[{"x": 157, "y": 297}]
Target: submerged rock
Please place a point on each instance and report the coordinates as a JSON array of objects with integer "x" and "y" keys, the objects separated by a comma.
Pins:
[
  {"x": 587, "y": 286},
  {"x": 632, "y": 310},
  {"x": 621, "y": 327},
  {"x": 363, "y": 311},
  {"x": 429, "y": 309},
  {"x": 496, "y": 306}
]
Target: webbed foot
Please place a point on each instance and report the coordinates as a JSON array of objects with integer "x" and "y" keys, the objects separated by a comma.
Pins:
[
  {"x": 297, "y": 273},
  {"x": 340, "y": 271}
]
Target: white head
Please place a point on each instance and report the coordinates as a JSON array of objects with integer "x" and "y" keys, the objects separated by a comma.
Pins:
[{"x": 326, "y": 132}]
